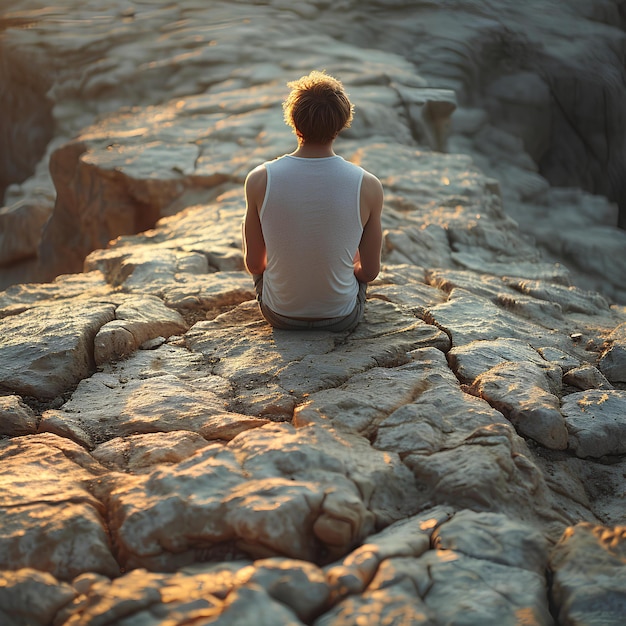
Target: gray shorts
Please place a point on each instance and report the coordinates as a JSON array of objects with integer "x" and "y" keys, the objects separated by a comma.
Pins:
[{"x": 334, "y": 324}]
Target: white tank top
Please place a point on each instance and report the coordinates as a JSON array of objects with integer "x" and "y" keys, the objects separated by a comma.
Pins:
[{"x": 311, "y": 223}]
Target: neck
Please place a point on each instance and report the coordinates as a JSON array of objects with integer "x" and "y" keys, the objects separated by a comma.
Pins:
[{"x": 314, "y": 150}]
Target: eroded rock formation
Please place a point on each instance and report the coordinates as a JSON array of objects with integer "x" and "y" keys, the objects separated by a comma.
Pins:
[{"x": 168, "y": 458}]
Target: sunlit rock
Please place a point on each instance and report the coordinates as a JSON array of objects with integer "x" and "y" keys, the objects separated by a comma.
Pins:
[
  {"x": 473, "y": 359},
  {"x": 48, "y": 350},
  {"x": 489, "y": 470},
  {"x": 410, "y": 537},
  {"x": 459, "y": 314},
  {"x": 493, "y": 577},
  {"x": 596, "y": 421},
  {"x": 493, "y": 537},
  {"x": 51, "y": 520},
  {"x": 16, "y": 418},
  {"x": 28, "y": 596},
  {"x": 299, "y": 585},
  {"x": 252, "y": 603},
  {"x": 317, "y": 501},
  {"x": 267, "y": 477},
  {"x": 589, "y": 574},
  {"x": 140, "y": 453},
  {"x": 613, "y": 363},
  {"x": 586, "y": 377},
  {"x": 525, "y": 393},
  {"x": 136, "y": 322},
  {"x": 105, "y": 406}
]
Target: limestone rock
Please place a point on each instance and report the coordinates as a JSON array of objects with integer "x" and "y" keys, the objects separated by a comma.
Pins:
[
  {"x": 586, "y": 377},
  {"x": 20, "y": 231},
  {"x": 50, "y": 349},
  {"x": 524, "y": 394},
  {"x": 416, "y": 588},
  {"x": 51, "y": 521},
  {"x": 410, "y": 537},
  {"x": 502, "y": 478},
  {"x": 588, "y": 566},
  {"x": 422, "y": 411},
  {"x": 299, "y": 585},
  {"x": 266, "y": 502},
  {"x": 476, "y": 358},
  {"x": 143, "y": 596},
  {"x": 457, "y": 316},
  {"x": 16, "y": 418},
  {"x": 493, "y": 537},
  {"x": 140, "y": 453},
  {"x": 105, "y": 406},
  {"x": 29, "y": 596},
  {"x": 136, "y": 322},
  {"x": 596, "y": 421},
  {"x": 194, "y": 465},
  {"x": 613, "y": 363}
]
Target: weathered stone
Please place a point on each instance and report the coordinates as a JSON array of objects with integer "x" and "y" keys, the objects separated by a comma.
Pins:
[
  {"x": 524, "y": 393},
  {"x": 304, "y": 362},
  {"x": 48, "y": 350},
  {"x": 299, "y": 585},
  {"x": 256, "y": 495},
  {"x": 140, "y": 453},
  {"x": 410, "y": 537},
  {"x": 493, "y": 537},
  {"x": 589, "y": 575},
  {"x": 51, "y": 521},
  {"x": 422, "y": 411},
  {"x": 20, "y": 231},
  {"x": 570, "y": 299},
  {"x": 185, "y": 471},
  {"x": 459, "y": 313},
  {"x": 564, "y": 360},
  {"x": 16, "y": 418},
  {"x": 586, "y": 377},
  {"x": 596, "y": 421},
  {"x": 106, "y": 406},
  {"x": 476, "y": 358},
  {"x": 484, "y": 590},
  {"x": 82, "y": 287},
  {"x": 613, "y": 363},
  {"x": 136, "y": 322},
  {"x": 142, "y": 597},
  {"x": 28, "y": 596},
  {"x": 253, "y": 604},
  {"x": 500, "y": 478}
]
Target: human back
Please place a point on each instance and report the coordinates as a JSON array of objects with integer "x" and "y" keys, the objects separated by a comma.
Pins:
[
  {"x": 312, "y": 228},
  {"x": 312, "y": 231}
]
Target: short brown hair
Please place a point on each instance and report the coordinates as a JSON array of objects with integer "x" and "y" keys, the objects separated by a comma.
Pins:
[{"x": 317, "y": 108}]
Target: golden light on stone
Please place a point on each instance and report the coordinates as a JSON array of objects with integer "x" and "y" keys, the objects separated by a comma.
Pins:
[
  {"x": 428, "y": 524},
  {"x": 134, "y": 469}
]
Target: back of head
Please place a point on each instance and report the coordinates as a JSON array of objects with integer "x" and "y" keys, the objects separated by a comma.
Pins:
[{"x": 317, "y": 108}]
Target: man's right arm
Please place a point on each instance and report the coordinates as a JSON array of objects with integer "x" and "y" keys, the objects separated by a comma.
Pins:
[
  {"x": 255, "y": 256},
  {"x": 367, "y": 262}
]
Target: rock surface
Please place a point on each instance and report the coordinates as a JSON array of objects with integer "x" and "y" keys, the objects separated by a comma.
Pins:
[
  {"x": 167, "y": 458},
  {"x": 535, "y": 102}
]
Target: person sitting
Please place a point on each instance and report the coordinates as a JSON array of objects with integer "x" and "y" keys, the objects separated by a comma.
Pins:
[{"x": 312, "y": 228}]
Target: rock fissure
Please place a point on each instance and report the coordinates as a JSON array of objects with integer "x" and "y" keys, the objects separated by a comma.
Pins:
[{"x": 227, "y": 461}]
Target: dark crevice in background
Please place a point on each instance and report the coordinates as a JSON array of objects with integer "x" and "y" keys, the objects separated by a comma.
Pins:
[{"x": 26, "y": 121}]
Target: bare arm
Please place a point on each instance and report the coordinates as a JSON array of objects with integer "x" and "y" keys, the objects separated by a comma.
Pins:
[
  {"x": 255, "y": 257},
  {"x": 367, "y": 261}
]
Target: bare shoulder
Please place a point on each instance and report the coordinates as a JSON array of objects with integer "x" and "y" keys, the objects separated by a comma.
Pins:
[
  {"x": 257, "y": 179},
  {"x": 372, "y": 192}
]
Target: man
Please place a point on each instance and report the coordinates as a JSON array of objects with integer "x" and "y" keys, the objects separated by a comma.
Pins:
[{"x": 312, "y": 231}]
